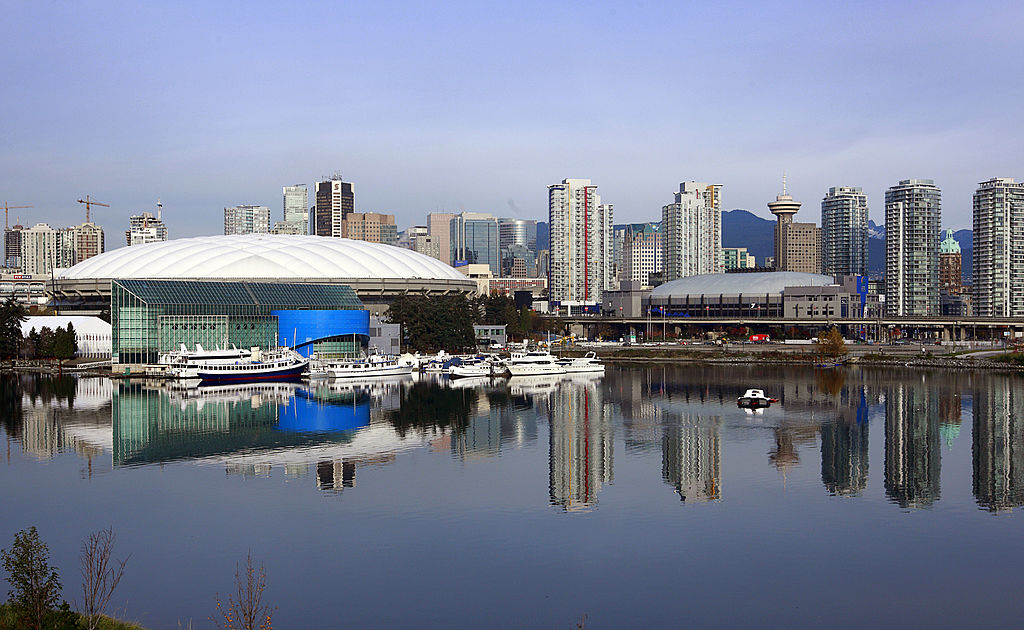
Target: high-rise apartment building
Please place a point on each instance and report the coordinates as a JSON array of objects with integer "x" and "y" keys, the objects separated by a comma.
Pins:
[
  {"x": 797, "y": 245},
  {"x": 38, "y": 249},
  {"x": 12, "y": 247},
  {"x": 146, "y": 228},
  {"x": 642, "y": 251},
  {"x": 335, "y": 200},
  {"x": 86, "y": 240},
  {"x": 950, "y": 266},
  {"x": 439, "y": 225},
  {"x": 999, "y": 248},
  {"x": 691, "y": 228},
  {"x": 844, "y": 232},
  {"x": 246, "y": 219},
  {"x": 370, "y": 226},
  {"x": 427, "y": 245},
  {"x": 913, "y": 215},
  {"x": 737, "y": 258},
  {"x": 473, "y": 238},
  {"x": 579, "y": 268},
  {"x": 295, "y": 200}
]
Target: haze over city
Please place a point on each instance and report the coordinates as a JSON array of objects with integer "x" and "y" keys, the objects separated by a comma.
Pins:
[{"x": 479, "y": 107}]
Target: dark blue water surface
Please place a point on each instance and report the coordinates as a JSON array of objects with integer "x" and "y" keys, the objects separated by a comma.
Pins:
[{"x": 863, "y": 498}]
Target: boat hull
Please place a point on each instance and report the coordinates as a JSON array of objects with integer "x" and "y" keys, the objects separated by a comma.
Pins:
[
  {"x": 535, "y": 370},
  {"x": 289, "y": 373},
  {"x": 371, "y": 372}
]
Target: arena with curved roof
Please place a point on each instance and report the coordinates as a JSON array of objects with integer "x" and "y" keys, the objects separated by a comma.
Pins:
[
  {"x": 729, "y": 294},
  {"x": 375, "y": 272}
]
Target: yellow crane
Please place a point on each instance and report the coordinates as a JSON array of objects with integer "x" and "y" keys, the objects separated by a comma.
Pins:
[
  {"x": 6, "y": 208},
  {"x": 89, "y": 203}
]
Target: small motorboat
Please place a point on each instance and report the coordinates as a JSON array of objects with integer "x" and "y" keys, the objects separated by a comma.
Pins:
[{"x": 755, "y": 399}]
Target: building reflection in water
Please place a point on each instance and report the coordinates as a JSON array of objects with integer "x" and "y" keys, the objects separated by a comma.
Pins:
[
  {"x": 581, "y": 456},
  {"x": 912, "y": 453},
  {"x": 691, "y": 460},
  {"x": 998, "y": 450},
  {"x": 844, "y": 456}
]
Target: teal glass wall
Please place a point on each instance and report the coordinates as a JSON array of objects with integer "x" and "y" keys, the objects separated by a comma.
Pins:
[{"x": 150, "y": 317}]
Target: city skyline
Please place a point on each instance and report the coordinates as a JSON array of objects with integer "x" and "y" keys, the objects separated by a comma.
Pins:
[{"x": 471, "y": 126}]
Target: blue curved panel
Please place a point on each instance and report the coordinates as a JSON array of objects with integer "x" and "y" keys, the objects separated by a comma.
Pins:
[
  {"x": 302, "y": 328},
  {"x": 306, "y": 415}
]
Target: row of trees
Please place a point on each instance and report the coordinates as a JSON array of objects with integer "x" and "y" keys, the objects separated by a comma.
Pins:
[
  {"x": 50, "y": 344},
  {"x": 38, "y": 344},
  {"x": 36, "y": 588},
  {"x": 446, "y": 322}
]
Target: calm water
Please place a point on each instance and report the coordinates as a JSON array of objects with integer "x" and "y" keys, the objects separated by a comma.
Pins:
[{"x": 644, "y": 498}]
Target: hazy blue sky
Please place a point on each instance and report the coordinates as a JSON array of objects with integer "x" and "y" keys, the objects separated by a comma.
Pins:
[{"x": 480, "y": 106}]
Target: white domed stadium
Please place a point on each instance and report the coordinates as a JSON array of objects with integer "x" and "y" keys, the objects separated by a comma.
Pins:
[{"x": 376, "y": 272}]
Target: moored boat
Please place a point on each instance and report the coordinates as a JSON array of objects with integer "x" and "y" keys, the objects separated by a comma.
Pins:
[
  {"x": 372, "y": 366},
  {"x": 588, "y": 364},
  {"x": 534, "y": 363},
  {"x": 754, "y": 399},
  {"x": 271, "y": 365}
]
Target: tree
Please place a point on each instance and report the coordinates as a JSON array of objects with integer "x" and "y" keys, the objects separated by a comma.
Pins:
[
  {"x": 245, "y": 609},
  {"x": 64, "y": 343},
  {"x": 100, "y": 576},
  {"x": 434, "y": 323},
  {"x": 831, "y": 343},
  {"x": 12, "y": 315},
  {"x": 35, "y": 588}
]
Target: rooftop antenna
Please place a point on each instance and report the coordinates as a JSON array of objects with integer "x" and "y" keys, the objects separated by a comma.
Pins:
[
  {"x": 159, "y": 210},
  {"x": 783, "y": 182}
]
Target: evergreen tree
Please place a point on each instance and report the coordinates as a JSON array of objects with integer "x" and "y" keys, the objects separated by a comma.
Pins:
[
  {"x": 12, "y": 315},
  {"x": 35, "y": 587}
]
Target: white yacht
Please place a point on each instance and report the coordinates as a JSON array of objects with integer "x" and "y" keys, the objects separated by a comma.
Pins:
[
  {"x": 534, "y": 363},
  {"x": 469, "y": 368},
  {"x": 236, "y": 366},
  {"x": 372, "y": 366},
  {"x": 588, "y": 364}
]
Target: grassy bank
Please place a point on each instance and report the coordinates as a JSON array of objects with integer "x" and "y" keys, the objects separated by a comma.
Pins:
[{"x": 62, "y": 621}]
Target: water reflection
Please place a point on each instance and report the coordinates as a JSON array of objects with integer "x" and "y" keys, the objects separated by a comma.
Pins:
[
  {"x": 679, "y": 418},
  {"x": 581, "y": 457},
  {"x": 998, "y": 450},
  {"x": 692, "y": 458},
  {"x": 912, "y": 455}
]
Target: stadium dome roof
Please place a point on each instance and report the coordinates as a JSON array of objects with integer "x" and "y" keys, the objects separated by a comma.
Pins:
[
  {"x": 255, "y": 256},
  {"x": 761, "y": 283}
]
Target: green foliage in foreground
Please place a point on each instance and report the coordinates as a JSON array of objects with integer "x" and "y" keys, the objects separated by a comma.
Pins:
[
  {"x": 1015, "y": 358},
  {"x": 59, "y": 620}
]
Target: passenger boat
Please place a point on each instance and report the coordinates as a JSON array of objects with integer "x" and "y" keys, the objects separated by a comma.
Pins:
[
  {"x": 534, "y": 363},
  {"x": 241, "y": 366},
  {"x": 373, "y": 365},
  {"x": 755, "y": 399},
  {"x": 469, "y": 368},
  {"x": 183, "y": 363},
  {"x": 588, "y": 364}
]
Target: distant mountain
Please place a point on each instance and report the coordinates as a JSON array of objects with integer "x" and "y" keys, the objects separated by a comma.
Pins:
[{"x": 741, "y": 228}]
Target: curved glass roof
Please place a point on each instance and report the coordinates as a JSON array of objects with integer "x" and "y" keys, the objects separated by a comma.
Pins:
[
  {"x": 269, "y": 256},
  {"x": 760, "y": 283}
]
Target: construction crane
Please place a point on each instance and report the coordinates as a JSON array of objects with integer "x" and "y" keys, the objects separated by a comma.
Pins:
[
  {"x": 89, "y": 203},
  {"x": 6, "y": 208}
]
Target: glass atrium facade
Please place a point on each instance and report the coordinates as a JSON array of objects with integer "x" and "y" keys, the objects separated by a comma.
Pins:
[{"x": 150, "y": 317}]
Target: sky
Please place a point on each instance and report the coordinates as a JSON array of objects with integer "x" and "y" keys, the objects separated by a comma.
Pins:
[{"x": 480, "y": 106}]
